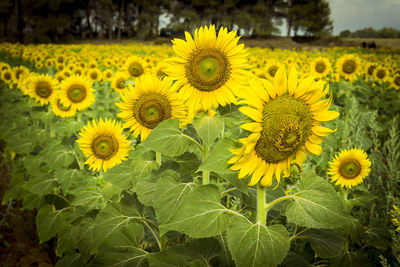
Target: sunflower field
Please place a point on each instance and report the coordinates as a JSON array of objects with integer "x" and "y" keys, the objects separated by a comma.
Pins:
[{"x": 205, "y": 152}]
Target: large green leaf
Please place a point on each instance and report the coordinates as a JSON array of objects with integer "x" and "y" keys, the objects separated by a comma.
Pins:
[
  {"x": 201, "y": 250},
  {"x": 48, "y": 223},
  {"x": 120, "y": 175},
  {"x": 317, "y": 205},
  {"x": 41, "y": 185},
  {"x": 168, "y": 195},
  {"x": 325, "y": 242},
  {"x": 208, "y": 127},
  {"x": 59, "y": 156},
  {"x": 68, "y": 177},
  {"x": 115, "y": 216},
  {"x": 257, "y": 245},
  {"x": 88, "y": 197},
  {"x": 121, "y": 248},
  {"x": 74, "y": 259},
  {"x": 218, "y": 157},
  {"x": 167, "y": 139},
  {"x": 199, "y": 214}
]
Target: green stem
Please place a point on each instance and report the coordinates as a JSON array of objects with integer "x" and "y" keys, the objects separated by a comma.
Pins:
[
  {"x": 158, "y": 158},
  {"x": 163, "y": 243},
  {"x": 153, "y": 233},
  {"x": 261, "y": 202},
  {"x": 206, "y": 174},
  {"x": 276, "y": 201},
  {"x": 194, "y": 141},
  {"x": 228, "y": 190}
]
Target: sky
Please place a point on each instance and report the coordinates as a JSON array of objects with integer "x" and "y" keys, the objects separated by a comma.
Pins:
[{"x": 358, "y": 14}]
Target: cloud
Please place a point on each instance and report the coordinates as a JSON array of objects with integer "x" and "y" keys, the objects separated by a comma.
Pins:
[{"x": 358, "y": 14}]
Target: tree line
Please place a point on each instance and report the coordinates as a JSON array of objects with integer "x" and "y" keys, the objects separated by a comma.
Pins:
[
  {"x": 65, "y": 20},
  {"x": 386, "y": 32}
]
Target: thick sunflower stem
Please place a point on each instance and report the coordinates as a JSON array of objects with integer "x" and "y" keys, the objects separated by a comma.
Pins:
[
  {"x": 261, "y": 203},
  {"x": 158, "y": 158},
  {"x": 206, "y": 174}
]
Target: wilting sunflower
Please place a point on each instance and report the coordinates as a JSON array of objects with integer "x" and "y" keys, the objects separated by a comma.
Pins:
[
  {"x": 60, "y": 110},
  {"x": 210, "y": 67},
  {"x": 150, "y": 102},
  {"x": 135, "y": 67},
  {"x": 286, "y": 117},
  {"x": 320, "y": 67},
  {"x": 348, "y": 67},
  {"x": 77, "y": 91},
  {"x": 119, "y": 81},
  {"x": 43, "y": 88},
  {"x": 350, "y": 167},
  {"x": 104, "y": 144}
]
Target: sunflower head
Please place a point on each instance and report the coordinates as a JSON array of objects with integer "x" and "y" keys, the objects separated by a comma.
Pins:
[
  {"x": 211, "y": 67},
  {"x": 43, "y": 88},
  {"x": 119, "y": 81},
  {"x": 104, "y": 144},
  {"x": 77, "y": 91},
  {"x": 348, "y": 67},
  {"x": 135, "y": 67},
  {"x": 150, "y": 102},
  {"x": 349, "y": 168},
  {"x": 320, "y": 67},
  {"x": 285, "y": 125},
  {"x": 60, "y": 110}
]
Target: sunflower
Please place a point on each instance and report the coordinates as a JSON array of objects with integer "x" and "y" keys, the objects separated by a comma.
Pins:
[
  {"x": 108, "y": 75},
  {"x": 348, "y": 67},
  {"x": 381, "y": 74},
  {"x": 94, "y": 74},
  {"x": 77, "y": 91},
  {"x": 210, "y": 68},
  {"x": 135, "y": 67},
  {"x": 7, "y": 75},
  {"x": 150, "y": 102},
  {"x": 104, "y": 144},
  {"x": 42, "y": 88},
  {"x": 350, "y": 167},
  {"x": 395, "y": 82},
  {"x": 286, "y": 117},
  {"x": 270, "y": 68},
  {"x": 119, "y": 81},
  {"x": 320, "y": 67},
  {"x": 60, "y": 110}
]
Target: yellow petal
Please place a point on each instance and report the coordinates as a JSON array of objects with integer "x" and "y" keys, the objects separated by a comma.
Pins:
[
  {"x": 267, "y": 178},
  {"x": 280, "y": 81},
  {"x": 252, "y": 127},
  {"x": 326, "y": 115},
  {"x": 251, "y": 113},
  {"x": 292, "y": 80},
  {"x": 313, "y": 148}
]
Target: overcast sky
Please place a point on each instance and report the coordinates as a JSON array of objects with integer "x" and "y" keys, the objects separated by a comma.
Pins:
[{"x": 358, "y": 14}]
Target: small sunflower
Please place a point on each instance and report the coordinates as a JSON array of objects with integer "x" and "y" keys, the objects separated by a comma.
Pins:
[
  {"x": 94, "y": 74},
  {"x": 395, "y": 82},
  {"x": 77, "y": 91},
  {"x": 42, "y": 88},
  {"x": 119, "y": 81},
  {"x": 381, "y": 74},
  {"x": 271, "y": 68},
  {"x": 286, "y": 117},
  {"x": 348, "y": 67},
  {"x": 7, "y": 75},
  {"x": 104, "y": 144},
  {"x": 60, "y": 110},
  {"x": 350, "y": 167},
  {"x": 135, "y": 67},
  {"x": 150, "y": 102},
  {"x": 210, "y": 67},
  {"x": 320, "y": 67}
]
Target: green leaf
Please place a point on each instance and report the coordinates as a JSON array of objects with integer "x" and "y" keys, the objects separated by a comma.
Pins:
[
  {"x": 32, "y": 201},
  {"x": 233, "y": 179},
  {"x": 121, "y": 248},
  {"x": 41, "y": 185},
  {"x": 168, "y": 195},
  {"x": 74, "y": 259},
  {"x": 218, "y": 157},
  {"x": 21, "y": 145},
  {"x": 48, "y": 223},
  {"x": 83, "y": 236},
  {"x": 145, "y": 190},
  {"x": 362, "y": 198},
  {"x": 208, "y": 127},
  {"x": 113, "y": 217},
  {"x": 88, "y": 197},
  {"x": 317, "y": 205},
  {"x": 68, "y": 177},
  {"x": 141, "y": 168},
  {"x": 200, "y": 250},
  {"x": 351, "y": 259},
  {"x": 326, "y": 243},
  {"x": 120, "y": 175},
  {"x": 167, "y": 139},
  {"x": 199, "y": 214},
  {"x": 257, "y": 245},
  {"x": 59, "y": 156}
]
